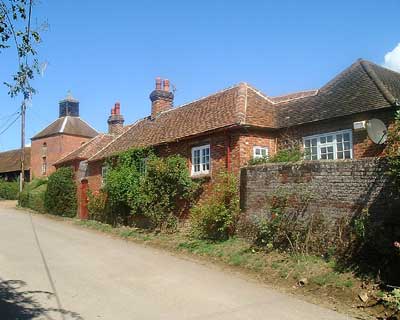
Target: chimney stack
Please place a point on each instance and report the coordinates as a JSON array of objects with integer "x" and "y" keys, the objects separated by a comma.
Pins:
[
  {"x": 115, "y": 120},
  {"x": 161, "y": 98}
]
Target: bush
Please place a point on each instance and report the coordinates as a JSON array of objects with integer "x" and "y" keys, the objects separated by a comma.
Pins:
[
  {"x": 9, "y": 190},
  {"x": 33, "y": 195},
  {"x": 216, "y": 218},
  {"x": 165, "y": 191},
  {"x": 60, "y": 197},
  {"x": 121, "y": 183},
  {"x": 98, "y": 207},
  {"x": 287, "y": 155}
]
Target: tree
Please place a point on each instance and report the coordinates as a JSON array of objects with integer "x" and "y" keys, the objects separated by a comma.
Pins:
[{"x": 16, "y": 31}]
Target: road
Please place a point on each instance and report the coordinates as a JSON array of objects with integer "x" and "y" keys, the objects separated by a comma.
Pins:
[{"x": 99, "y": 277}]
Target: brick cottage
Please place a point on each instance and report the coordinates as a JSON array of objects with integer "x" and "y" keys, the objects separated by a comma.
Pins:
[{"x": 225, "y": 130}]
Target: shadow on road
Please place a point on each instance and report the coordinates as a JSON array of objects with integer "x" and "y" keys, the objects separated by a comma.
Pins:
[{"x": 16, "y": 303}]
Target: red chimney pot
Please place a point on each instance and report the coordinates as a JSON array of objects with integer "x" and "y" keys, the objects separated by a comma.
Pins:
[
  {"x": 117, "y": 108},
  {"x": 166, "y": 85}
]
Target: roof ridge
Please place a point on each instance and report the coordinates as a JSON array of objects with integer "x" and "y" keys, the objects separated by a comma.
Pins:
[
  {"x": 203, "y": 98},
  {"x": 260, "y": 93},
  {"x": 122, "y": 134},
  {"x": 64, "y": 124},
  {"x": 366, "y": 65}
]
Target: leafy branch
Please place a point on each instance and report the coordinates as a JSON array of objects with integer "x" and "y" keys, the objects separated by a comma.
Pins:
[{"x": 15, "y": 31}]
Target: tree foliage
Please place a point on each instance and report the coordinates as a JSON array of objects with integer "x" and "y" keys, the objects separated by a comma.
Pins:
[
  {"x": 16, "y": 31},
  {"x": 60, "y": 197}
]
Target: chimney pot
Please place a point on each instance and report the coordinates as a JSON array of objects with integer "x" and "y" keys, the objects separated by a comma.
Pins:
[
  {"x": 158, "y": 83},
  {"x": 166, "y": 85},
  {"x": 117, "y": 108}
]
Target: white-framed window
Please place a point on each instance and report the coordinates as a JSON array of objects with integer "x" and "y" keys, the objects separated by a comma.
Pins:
[
  {"x": 329, "y": 146},
  {"x": 201, "y": 160},
  {"x": 44, "y": 165},
  {"x": 260, "y": 152}
]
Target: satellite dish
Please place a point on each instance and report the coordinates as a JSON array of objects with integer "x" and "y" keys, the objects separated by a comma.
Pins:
[{"x": 377, "y": 131}]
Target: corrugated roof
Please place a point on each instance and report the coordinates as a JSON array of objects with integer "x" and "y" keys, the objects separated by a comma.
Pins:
[
  {"x": 10, "y": 161},
  {"x": 68, "y": 125}
]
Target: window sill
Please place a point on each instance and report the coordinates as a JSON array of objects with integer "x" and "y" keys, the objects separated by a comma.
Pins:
[{"x": 205, "y": 176}]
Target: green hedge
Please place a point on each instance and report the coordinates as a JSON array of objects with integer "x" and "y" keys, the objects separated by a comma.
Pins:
[
  {"x": 60, "y": 196},
  {"x": 9, "y": 190},
  {"x": 33, "y": 195}
]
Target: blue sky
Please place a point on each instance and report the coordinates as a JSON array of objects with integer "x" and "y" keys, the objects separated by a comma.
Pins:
[{"x": 105, "y": 51}]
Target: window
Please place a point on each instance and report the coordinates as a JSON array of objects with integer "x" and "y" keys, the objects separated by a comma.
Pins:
[
  {"x": 104, "y": 170},
  {"x": 201, "y": 160},
  {"x": 329, "y": 146},
  {"x": 260, "y": 152},
  {"x": 44, "y": 149},
  {"x": 44, "y": 165}
]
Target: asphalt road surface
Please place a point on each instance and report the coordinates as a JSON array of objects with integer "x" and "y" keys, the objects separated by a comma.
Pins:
[{"x": 99, "y": 277}]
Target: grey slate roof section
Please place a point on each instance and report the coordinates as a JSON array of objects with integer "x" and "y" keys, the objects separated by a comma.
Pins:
[{"x": 68, "y": 125}]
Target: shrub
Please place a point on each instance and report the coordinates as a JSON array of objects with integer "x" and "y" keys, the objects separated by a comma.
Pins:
[
  {"x": 121, "y": 183},
  {"x": 392, "y": 149},
  {"x": 98, "y": 207},
  {"x": 165, "y": 191},
  {"x": 255, "y": 161},
  {"x": 9, "y": 190},
  {"x": 60, "y": 197},
  {"x": 392, "y": 301},
  {"x": 288, "y": 226},
  {"x": 33, "y": 195},
  {"x": 287, "y": 155},
  {"x": 216, "y": 218}
]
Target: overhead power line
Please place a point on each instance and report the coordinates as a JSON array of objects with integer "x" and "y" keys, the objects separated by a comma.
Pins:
[{"x": 9, "y": 126}]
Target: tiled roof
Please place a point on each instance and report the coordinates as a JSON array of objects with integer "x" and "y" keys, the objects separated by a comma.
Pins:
[
  {"x": 363, "y": 86},
  {"x": 356, "y": 89},
  {"x": 206, "y": 114},
  {"x": 293, "y": 96},
  {"x": 11, "y": 160},
  {"x": 68, "y": 125},
  {"x": 88, "y": 149}
]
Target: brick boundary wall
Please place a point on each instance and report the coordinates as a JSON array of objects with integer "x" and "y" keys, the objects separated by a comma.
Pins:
[{"x": 337, "y": 187}]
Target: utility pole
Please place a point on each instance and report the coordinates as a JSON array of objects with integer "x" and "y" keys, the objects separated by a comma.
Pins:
[{"x": 22, "y": 176}]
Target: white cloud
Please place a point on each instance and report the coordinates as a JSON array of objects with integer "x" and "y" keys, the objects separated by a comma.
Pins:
[{"x": 392, "y": 59}]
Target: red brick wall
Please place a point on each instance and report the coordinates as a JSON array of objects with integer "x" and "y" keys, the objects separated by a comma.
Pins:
[
  {"x": 94, "y": 176},
  {"x": 57, "y": 147},
  {"x": 240, "y": 145},
  {"x": 362, "y": 145}
]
